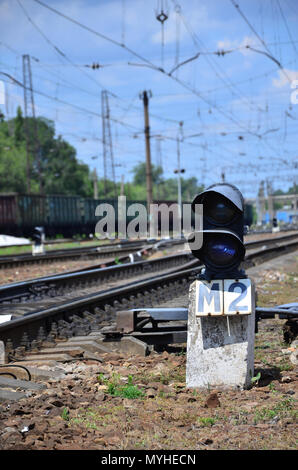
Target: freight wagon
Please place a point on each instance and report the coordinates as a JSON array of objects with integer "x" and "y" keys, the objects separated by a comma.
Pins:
[{"x": 65, "y": 215}]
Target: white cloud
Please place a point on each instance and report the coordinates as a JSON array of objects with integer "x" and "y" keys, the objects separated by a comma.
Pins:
[{"x": 284, "y": 76}]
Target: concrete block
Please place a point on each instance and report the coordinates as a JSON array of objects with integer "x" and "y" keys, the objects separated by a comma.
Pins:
[
  {"x": 220, "y": 350},
  {"x": 2, "y": 353},
  {"x": 90, "y": 345},
  {"x": 45, "y": 358},
  {"x": 7, "y": 395},
  {"x": 37, "y": 362},
  {"x": 70, "y": 349},
  {"x": 22, "y": 384},
  {"x": 91, "y": 337},
  {"x": 36, "y": 373},
  {"x": 128, "y": 345}
]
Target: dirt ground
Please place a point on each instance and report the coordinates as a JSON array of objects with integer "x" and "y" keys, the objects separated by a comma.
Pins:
[{"x": 137, "y": 403}]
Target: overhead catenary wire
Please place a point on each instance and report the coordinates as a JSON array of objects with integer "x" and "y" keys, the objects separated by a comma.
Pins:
[
  {"x": 149, "y": 64},
  {"x": 145, "y": 61},
  {"x": 206, "y": 105},
  {"x": 57, "y": 49},
  {"x": 287, "y": 26},
  {"x": 269, "y": 53}
]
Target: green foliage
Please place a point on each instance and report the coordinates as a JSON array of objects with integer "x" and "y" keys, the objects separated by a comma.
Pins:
[
  {"x": 65, "y": 414},
  {"x": 279, "y": 205},
  {"x": 116, "y": 389},
  {"x": 206, "y": 422},
  {"x": 256, "y": 378},
  {"x": 139, "y": 172},
  {"x": 285, "y": 408},
  {"x": 163, "y": 189},
  {"x": 61, "y": 172}
]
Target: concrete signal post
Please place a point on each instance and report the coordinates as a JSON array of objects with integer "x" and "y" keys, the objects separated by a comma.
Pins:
[{"x": 221, "y": 314}]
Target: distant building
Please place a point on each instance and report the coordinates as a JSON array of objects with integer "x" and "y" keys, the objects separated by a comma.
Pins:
[{"x": 285, "y": 216}]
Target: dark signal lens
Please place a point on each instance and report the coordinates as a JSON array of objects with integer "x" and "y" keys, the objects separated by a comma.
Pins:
[
  {"x": 218, "y": 210},
  {"x": 221, "y": 252}
]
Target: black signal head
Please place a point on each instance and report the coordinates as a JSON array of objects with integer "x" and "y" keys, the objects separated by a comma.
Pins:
[
  {"x": 222, "y": 204},
  {"x": 222, "y": 249}
]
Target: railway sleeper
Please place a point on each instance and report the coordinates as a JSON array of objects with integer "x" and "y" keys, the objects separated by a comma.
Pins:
[{"x": 95, "y": 318}]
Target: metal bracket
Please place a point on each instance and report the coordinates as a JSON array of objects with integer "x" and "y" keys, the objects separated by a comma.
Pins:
[{"x": 128, "y": 321}]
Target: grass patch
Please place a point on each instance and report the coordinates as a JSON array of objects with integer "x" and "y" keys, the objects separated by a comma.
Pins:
[
  {"x": 283, "y": 409},
  {"x": 116, "y": 389},
  {"x": 25, "y": 249},
  {"x": 97, "y": 418},
  {"x": 206, "y": 421}
]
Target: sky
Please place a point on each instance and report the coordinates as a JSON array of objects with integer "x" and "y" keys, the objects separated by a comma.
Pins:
[{"x": 221, "y": 80}]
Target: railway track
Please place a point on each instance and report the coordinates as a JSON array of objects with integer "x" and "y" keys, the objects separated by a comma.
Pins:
[
  {"x": 26, "y": 297},
  {"x": 84, "y": 329},
  {"x": 22, "y": 298},
  {"x": 108, "y": 251},
  {"x": 87, "y": 312}
]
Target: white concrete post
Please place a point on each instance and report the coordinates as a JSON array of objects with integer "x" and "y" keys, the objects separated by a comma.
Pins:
[
  {"x": 2, "y": 353},
  {"x": 220, "y": 347}
]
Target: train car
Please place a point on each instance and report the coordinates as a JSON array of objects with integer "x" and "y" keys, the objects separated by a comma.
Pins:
[
  {"x": 66, "y": 215},
  {"x": 9, "y": 216}
]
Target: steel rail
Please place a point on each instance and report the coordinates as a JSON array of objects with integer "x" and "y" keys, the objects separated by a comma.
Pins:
[
  {"x": 123, "y": 248},
  {"x": 132, "y": 295},
  {"x": 70, "y": 253},
  {"x": 48, "y": 285}
]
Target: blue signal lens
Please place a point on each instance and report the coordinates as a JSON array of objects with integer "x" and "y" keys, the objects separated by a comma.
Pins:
[{"x": 221, "y": 252}]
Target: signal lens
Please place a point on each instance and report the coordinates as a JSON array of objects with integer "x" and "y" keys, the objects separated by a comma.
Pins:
[
  {"x": 218, "y": 210},
  {"x": 221, "y": 252}
]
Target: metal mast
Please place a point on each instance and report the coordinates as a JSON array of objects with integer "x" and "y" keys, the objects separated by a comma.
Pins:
[
  {"x": 108, "y": 156},
  {"x": 145, "y": 97},
  {"x": 32, "y": 143}
]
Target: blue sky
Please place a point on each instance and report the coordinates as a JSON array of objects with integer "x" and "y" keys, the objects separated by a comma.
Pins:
[{"x": 236, "y": 108}]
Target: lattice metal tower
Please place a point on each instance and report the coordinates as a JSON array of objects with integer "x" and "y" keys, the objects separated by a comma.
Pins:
[
  {"x": 108, "y": 156},
  {"x": 31, "y": 134}
]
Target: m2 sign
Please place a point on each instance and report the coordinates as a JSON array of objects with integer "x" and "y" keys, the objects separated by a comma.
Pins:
[{"x": 223, "y": 297}]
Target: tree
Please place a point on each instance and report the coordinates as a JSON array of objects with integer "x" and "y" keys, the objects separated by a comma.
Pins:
[
  {"x": 61, "y": 171},
  {"x": 163, "y": 189},
  {"x": 19, "y": 127},
  {"x": 139, "y": 172}
]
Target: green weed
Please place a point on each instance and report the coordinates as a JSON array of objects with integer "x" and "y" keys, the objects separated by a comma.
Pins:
[
  {"x": 116, "y": 389},
  {"x": 65, "y": 414},
  {"x": 282, "y": 409},
  {"x": 206, "y": 422}
]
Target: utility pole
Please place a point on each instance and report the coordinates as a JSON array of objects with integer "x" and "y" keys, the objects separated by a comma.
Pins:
[
  {"x": 270, "y": 201},
  {"x": 108, "y": 155},
  {"x": 260, "y": 204},
  {"x": 179, "y": 170},
  {"x": 122, "y": 186},
  {"x": 32, "y": 142},
  {"x": 145, "y": 98},
  {"x": 95, "y": 185}
]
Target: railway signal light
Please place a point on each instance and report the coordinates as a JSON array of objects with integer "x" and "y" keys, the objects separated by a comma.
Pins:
[
  {"x": 38, "y": 238},
  {"x": 38, "y": 235},
  {"x": 222, "y": 249}
]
